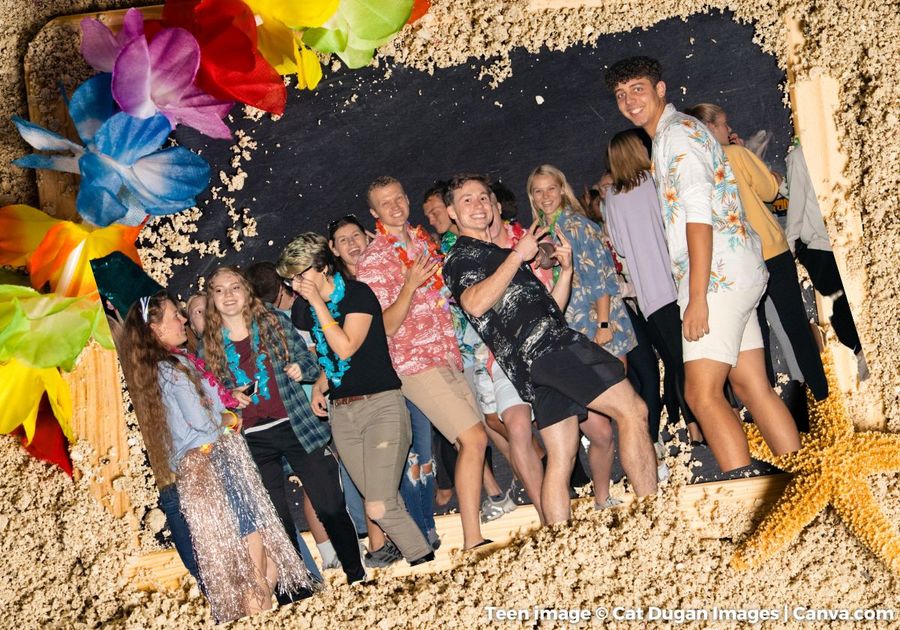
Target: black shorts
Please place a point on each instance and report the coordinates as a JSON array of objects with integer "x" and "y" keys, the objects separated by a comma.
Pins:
[{"x": 566, "y": 381}]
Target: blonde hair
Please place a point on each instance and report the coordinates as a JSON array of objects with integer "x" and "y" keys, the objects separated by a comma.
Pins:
[
  {"x": 705, "y": 112},
  {"x": 569, "y": 199},
  {"x": 307, "y": 249},
  {"x": 628, "y": 160},
  {"x": 381, "y": 181}
]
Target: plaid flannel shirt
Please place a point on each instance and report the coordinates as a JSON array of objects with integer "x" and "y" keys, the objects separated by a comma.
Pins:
[{"x": 311, "y": 432}]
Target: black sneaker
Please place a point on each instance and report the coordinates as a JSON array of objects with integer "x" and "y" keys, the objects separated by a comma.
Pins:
[
  {"x": 294, "y": 596},
  {"x": 428, "y": 557},
  {"x": 387, "y": 555},
  {"x": 433, "y": 539}
]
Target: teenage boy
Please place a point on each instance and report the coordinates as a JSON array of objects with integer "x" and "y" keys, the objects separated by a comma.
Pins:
[
  {"x": 560, "y": 371},
  {"x": 402, "y": 266},
  {"x": 717, "y": 263}
]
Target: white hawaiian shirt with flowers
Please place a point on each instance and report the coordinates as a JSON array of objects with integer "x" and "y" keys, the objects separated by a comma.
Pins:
[{"x": 696, "y": 185}]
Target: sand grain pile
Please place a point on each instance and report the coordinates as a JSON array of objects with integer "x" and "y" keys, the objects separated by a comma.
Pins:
[{"x": 65, "y": 554}]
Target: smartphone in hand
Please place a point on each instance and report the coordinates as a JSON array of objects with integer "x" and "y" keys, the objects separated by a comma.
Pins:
[{"x": 250, "y": 390}]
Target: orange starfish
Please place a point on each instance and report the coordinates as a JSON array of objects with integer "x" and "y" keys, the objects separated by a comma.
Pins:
[{"x": 830, "y": 468}]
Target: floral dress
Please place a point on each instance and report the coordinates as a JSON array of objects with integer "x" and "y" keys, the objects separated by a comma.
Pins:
[{"x": 595, "y": 276}]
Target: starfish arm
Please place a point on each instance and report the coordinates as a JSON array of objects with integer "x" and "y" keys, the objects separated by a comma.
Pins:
[
  {"x": 877, "y": 452},
  {"x": 760, "y": 450},
  {"x": 859, "y": 510},
  {"x": 828, "y": 418},
  {"x": 758, "y": 447},
  {"x": 803, "y": 498}
]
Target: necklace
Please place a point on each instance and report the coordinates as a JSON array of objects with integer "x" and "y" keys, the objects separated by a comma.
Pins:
[
  {"x": 551, "y": 225},
  {"x": 199, "y": 364},
  {"x": 335, "y": 374},
  {"x": 436, "y": 286},
  {"x": 234, "y": 363}
]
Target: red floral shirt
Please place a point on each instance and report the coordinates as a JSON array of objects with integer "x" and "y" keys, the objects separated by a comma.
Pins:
[{"x": 425, "y": 339}]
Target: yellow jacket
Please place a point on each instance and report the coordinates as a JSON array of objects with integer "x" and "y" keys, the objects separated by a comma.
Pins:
[{"x": 755, "y": 185}]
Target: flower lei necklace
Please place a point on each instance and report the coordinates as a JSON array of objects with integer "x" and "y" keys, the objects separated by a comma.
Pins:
[
  {"x": 234, "y": 363},
  {"x": 199, "y": 364},
  {"x": 517, "y": 232},
  {"x": 550, "y": 223},
  {"x": 334, "y": 374},
  {"x": 437, "y": 281}
]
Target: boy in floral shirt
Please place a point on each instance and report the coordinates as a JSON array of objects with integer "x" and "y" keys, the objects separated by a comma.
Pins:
[
  {"x": 402, "y": 267},
  {"x": 717, "y": 263}
]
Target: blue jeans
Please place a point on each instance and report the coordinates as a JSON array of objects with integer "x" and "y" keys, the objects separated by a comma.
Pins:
[
  {"x": 354, "y": 502},
  {"x": 418, "y": 494},
  {"x": 307, "y": 557},
  {"x": 181, "y": 535}
]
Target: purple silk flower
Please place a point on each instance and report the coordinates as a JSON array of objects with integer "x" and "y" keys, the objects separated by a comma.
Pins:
[{"x": 156, "y": 76}]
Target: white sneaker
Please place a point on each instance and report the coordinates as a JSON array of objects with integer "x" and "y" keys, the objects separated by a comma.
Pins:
[
  {"x": 660, "y": 450},
  {"x": 492, "y": 510},
  {"x": 334, "y": 564},
  {"x": 862, "y": 368},
  {"x": 609, "y": 503},
  {"x": 662, "y": 472}
]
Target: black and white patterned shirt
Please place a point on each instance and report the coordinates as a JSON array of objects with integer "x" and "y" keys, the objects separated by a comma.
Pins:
[{"x": 524, "y": 324}]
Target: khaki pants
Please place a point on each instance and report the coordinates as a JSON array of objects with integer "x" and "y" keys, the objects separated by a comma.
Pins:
[
  {"x": 372, "y": 436},
  {"x": 445, "y": 398}
]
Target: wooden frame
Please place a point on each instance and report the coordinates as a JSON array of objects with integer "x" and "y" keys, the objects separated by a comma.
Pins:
[{"x": 99, "y": 417}]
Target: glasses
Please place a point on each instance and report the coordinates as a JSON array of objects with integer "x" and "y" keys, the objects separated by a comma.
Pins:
[{"x": 289, "y": 282}]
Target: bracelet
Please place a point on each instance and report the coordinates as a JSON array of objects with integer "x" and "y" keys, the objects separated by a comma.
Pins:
[
  {"x": 517, "y": 252},
  {"x": 328, "y": 325},
  {"x": 234, "y": 422}
]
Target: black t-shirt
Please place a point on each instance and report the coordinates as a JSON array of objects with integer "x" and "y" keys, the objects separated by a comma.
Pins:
[
  {"x": 524, "y": 324},
  {"x": 371, "y": 370}
]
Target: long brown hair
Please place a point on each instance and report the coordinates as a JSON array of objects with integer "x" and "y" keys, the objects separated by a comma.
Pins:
[
  {"x": 141, "y": 354},
  {"x": 569, "y": 199},
  {"x": 629, "y": 162},
  {"x": 271, "y": 334}
]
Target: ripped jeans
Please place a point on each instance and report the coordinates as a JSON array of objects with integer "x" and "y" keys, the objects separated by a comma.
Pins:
[
  {"x": 372, "y": 436},
  {"x": 418, "y": 491}
]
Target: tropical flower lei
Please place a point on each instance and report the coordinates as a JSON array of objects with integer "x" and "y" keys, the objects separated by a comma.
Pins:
[
  {"x": 183, "y": 68},
  {"x": 550, "y": 221},
  {"x": 225, "y": 394},
  {"x": 240, "y": 376},
  {"x": 436, "y": 285},
  {"x": 334, "y": 374}
]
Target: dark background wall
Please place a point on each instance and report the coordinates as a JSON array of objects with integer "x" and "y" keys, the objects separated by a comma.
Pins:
[{"x": 315, "y": 163}]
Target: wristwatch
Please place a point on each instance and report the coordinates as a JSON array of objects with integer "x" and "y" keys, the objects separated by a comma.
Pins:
[{"x": 604, "y": 325}]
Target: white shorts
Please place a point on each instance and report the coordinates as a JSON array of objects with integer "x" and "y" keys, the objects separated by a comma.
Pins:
[
  {"x": 505, "y": 393},
  {"x": 482, "y": 388},
  {"x": 733, "y": 327}
]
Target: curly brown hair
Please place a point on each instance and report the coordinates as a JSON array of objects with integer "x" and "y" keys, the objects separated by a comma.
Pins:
[
  {"x": 141, "y": 354},
  {"x": 630, "y": 68},
  {"x": 271, "y": 334}
]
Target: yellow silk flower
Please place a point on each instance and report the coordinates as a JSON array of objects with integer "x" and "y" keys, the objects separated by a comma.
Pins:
[
  {"x": 279, "y": 42},
  {"x": 59, "y": 252},
  {"x": 21, "y": 393}
]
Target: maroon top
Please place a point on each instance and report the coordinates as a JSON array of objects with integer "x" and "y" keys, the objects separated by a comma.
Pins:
[{"x": 265, "y": 410}]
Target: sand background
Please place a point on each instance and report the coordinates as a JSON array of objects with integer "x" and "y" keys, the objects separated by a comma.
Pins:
[{"x": 61, "y": 554}]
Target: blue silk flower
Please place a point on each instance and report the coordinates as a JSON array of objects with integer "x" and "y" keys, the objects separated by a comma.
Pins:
[{"x": 125, "y": 174}]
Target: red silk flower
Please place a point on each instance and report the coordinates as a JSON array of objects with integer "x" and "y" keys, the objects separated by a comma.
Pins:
[
  {"x": 48, "y": 444},
  {"x": 420, "y": 8},
  {"x": 231, "y": 66}
]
